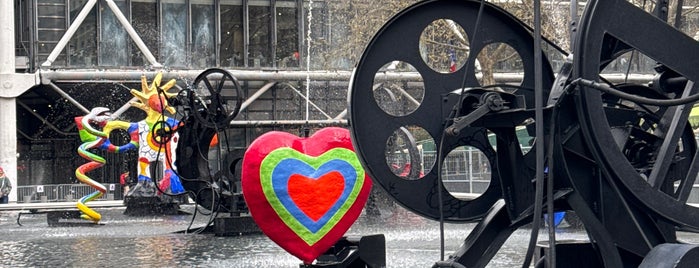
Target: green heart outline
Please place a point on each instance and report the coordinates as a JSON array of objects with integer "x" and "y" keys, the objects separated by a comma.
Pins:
[{"x": 276, "y": 156}]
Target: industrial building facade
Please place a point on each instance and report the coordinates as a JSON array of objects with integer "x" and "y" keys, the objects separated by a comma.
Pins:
[
  {"x": 191, "y": 34},
  {"x": 68, "y": 56},
  {"x": 65, "y": 57}
]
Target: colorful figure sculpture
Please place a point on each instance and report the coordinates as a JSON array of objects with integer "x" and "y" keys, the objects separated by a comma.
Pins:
[{"x": 155, "y": 137}]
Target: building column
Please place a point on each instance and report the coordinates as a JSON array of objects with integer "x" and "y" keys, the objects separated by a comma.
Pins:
[{"x": 11, "y": 86}]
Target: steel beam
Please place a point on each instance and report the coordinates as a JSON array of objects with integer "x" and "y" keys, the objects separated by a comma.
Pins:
[
  {"x": 69, "y": 98},
  {"x": 43, "y": 120},
  {"x": 272, "y": 123},
  {"x": 256, "y": 95},
  {"x": 8, "y": 107},
  {"x": 277, "y": 76}
]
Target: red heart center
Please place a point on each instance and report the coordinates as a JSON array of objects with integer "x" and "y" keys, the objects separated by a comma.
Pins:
[{"x": 316, "y": 196}]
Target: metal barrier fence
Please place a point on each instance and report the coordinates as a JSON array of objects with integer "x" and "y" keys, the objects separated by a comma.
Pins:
[
  {"x": 63, "y": 192},
  {"x": 464, "y": 170}
]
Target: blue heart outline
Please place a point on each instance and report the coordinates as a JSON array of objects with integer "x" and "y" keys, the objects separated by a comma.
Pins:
[{"x": 287, "y": 167}]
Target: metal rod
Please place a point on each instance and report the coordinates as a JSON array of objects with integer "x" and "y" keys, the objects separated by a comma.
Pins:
[
  {"x": 406, "y": 94},
  {"x": 678, "y": 14},
  {"x": 69, "y": 98},
  {"x": 256, "y": 95},
  {"x": 341, "y": 114},
  {"x": 573, "y": 23},
  {"x": 123, "y": 108},
  {"x": 272, "y": 123},
  {"x": 278, "y": 76},
  {"x": 69, "y": 33},
  {"x": 678, "y": 116},
  {"x": 308, "y": 102},
  {"x": 43, "y": 120},
  {"x": 136, "y": 38}
]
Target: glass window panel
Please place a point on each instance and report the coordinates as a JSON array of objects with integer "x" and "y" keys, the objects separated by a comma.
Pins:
[
  {"x": 144, "y": 20},
  {"x": 114, "y": 40},
  {"x": 203, "y": 32},
  {"x": 174, "y": 34},
  {"x": 82, "y": 48},
  {"x": 57, "y": 23},
  {"x": 50, "y": 34},
  {"x": 287, "y": 37},
  {"x": 45, "y": 49},
  {"x": 51, "y": 10},
  {"x": 259, "y": 47},
  {"x": 232, "y": 39}
]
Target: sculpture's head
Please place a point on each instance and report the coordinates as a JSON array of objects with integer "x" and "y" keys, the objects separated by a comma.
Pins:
[{"x": 153, "y": 98}]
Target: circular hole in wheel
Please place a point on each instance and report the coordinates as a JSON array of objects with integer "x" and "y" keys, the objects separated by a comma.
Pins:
[
  {"x": 444, "y": 46},
  {"x": 398, "y": 88},
  {"x": 499, "y": 64},
  {"x": 410, "y": 152},
  {"x": 466, "y": 173}
]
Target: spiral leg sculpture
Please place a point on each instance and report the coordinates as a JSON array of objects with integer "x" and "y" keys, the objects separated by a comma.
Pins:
[
  {"x": 96, "y": 162},
  {"x": 92, "y": 139}
]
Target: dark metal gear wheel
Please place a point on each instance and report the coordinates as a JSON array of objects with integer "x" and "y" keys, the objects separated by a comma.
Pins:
[
  {"x": 661, "y": 181},
  {"x": 215, "y": 98},
  {"x": 423, "y": 111}
]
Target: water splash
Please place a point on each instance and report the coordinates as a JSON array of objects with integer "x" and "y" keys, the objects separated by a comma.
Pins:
[{"x": 308, "y": 56}]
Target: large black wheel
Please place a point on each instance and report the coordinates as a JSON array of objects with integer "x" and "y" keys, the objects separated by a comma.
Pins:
[
  {"x": 402, "y": 82},
  {"x": 215, "y": 97},
  {"x": 647, "y": 148}
]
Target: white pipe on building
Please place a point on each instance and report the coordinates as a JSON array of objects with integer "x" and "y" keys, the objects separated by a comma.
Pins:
[
  {"x": 280, "y": 76},
  {"x": 308, "y": 102},
  {"x": 272, "y": 123},
  {"x": 256, "y": 95},
  {"x": 8, "y": 106},
  {"x": 241, "y": 75},
  {"x": 69, "y": 98}
]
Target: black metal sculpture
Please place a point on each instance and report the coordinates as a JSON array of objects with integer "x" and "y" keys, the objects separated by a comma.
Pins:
[
  {"x": 621, "y": 156},
  {"x": 210, "y": 104}
]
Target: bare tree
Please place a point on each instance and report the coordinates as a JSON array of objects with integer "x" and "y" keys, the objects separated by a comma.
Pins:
[{"x": 353, "y": 23}]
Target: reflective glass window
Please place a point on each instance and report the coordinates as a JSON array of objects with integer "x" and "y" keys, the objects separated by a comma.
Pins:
[
  {"x": 82, "y": 48},
  {"x": 51, "y": 25},
  {"x": 232, "y": 38},
  {"x": 114, "y": 49},
  {"x": 259, "y": 52},
  {"x": 173, "y": 46},
  {"x": 203, "y": 33},
  {"x": 287, "y": 53},
  {"x": 144, "y": 20}
]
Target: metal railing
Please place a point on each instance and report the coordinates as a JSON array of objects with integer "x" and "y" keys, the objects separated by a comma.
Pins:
[
  {"x": 464, "y": 170},
  {"x": 63, "y": 192}
]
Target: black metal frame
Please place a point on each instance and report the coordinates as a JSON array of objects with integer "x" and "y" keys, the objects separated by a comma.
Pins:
[
  {"x": 614, "y": 162},
  {"x": 372, "y": 127}
]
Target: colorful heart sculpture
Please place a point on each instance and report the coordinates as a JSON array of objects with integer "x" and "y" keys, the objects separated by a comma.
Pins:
[{"x": 304, "y": 193}]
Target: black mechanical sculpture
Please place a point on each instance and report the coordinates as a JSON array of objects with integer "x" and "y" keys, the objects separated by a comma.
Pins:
[
  {"x": 621, "y": 156},
  {"x": 210, "y": 104}
]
